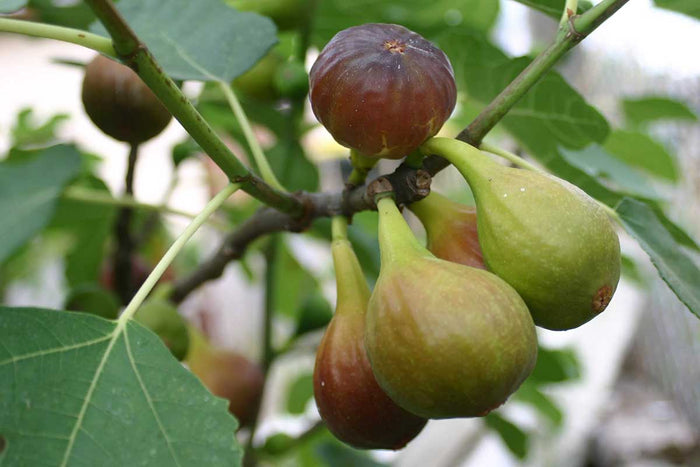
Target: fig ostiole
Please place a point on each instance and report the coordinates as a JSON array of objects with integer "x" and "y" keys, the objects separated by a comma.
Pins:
[
  {"x": 451, "y": 229},
  {"x": 355, "y": 409},
  {"x": 544, "y": 236},
  {"x": 444, "y": 340},
  {"x": 382, "y": 89},
  {"x": 120, "y": 104}
]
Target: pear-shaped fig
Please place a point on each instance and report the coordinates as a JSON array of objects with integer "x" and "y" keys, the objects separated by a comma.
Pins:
[
  {"x": 451, "y": 229},
  {"x": 445, "y": 340},
  {"x": 120, "y": 104},
  {"x": 544, "y": 236},
  {"x": 356, "y": 410},
  {"x": 162, "y": 317},
  {"x": 227, "y": 374},
  {"x": 381, "y": 89}
]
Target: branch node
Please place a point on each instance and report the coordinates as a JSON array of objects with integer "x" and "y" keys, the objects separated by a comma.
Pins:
[{"x": 377, "y": 187}]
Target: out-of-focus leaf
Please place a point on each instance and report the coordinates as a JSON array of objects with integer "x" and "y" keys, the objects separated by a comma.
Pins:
[
  {"x": 650, "y": 109},
  {"x": 423, "y": 17},
  {"x": 87, "y": 391},
  {"x": 29, "y": 192},
  {"x": 89, "y": 226},
  {"x": 340, "y": 455},
  {"x": 291, "y": 166},
  {"x": 9, "y": 6},
  {"x": 515, "y": 439},
  {"x": 555, "y": 366},
  {"x": 679, "y": 270},
  {"x": 27, "y": 131},
  {"x": 631, "y": 271},
  {"x": 530, "y": 394},
  {"x": 553, "y": 8},
  {"x": 640, "y": 150},
  {"x": 72, "y": 14},
  {"x": 293, "y": 283},
  {"x": 597, "y": 162},
  {"x": 203, "y": 40},
  {"x": 687, "y": 7},
  {"x": 300, "y": 393},
  {"x": 315, "y": 313},
  {"x": 185, "y": 150}
]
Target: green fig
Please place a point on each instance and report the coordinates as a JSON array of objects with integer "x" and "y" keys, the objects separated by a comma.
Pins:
[
  {"x": 93, "y": 299},
  {"x": 444, "y": 340},
  {"x": 227, "y": 374},
  {"x": 259, "y": 81},
  {"x": 356, "y": 410},
  {"x": 161, "y": 317},
  {"x": 451, "y": 229},
  {"x": 544, "y": 236}
]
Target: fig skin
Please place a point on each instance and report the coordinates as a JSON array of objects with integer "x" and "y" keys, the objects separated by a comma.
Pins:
[
  {"x": 382, "y": 89},
  {"x": 162, "y": 317},
  {"x": 451, "y": 229},
  {"x": 544, "y": 236},
  {"x": 227, "y": 374},
  {"x": 120, "y": 104},
  {"x": 355, "y": 409},
  {"x": 444, "y": 340}
]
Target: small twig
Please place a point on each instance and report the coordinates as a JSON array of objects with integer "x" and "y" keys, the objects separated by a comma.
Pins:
[{"x": 122, "y": 260}]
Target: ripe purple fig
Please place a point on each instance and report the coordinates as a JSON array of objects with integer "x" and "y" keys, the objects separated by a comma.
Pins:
[
  {"x": 445, "y": 340},
  {"x": 451, "y": 229},
  {"x": 382, "y": 89},
  {"x": 120, "y": 104},
  {"x": 356, "y": 410}
]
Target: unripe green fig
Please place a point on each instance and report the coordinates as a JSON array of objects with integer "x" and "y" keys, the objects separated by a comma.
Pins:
[
  {"x": 259, "y": 81},
  {"x": 227, "y": 374},
  {"x": 93, "y": 299},
  {"x": 544, "y": 236},
  {"x": 291, "y": 80},
  {"x": 287, "y": 14},
  {"x": 451, "y": 229},
  {"x": 120, "y": 104},
  {"x": 445, "y": 340},
  {"x": 355, "y": 409},
  {"x": 162, "y": 317},
  {"x": 381, "y": 89}
]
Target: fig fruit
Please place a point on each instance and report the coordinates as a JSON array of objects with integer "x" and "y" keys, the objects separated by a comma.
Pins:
[
  {"x": 259, "y": 81},
  {"x": 451, "y": 229},
  {"x": 356, "y": 410},
  {"x": 120, "y": 104},
  {"x": 444, "y": 340},
  {"x": 227, "y": 374},
  {"x": 162, "y": 317},
  {"x": 544, "y": 236},
  {"x": 93, "y": 299},
  {"x": 382, "y": 89}
]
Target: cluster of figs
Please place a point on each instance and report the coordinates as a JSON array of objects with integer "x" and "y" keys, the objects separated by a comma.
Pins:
[{"x": 449, "y": 330}]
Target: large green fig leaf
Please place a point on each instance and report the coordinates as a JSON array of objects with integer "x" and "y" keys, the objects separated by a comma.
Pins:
[
  {"x": 203, "y": 40},
  {"x": 29, "y": 191},
  {"x": 688, "y": 7},
  {"x": 78, "y": 390},
  {"x": 643, "y": 110},
  {"x": 678, "y": 269}
]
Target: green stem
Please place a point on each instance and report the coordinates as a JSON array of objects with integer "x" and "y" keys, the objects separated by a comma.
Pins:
[
  {"x": 514, "y": 158},
  {"x": 578, "y": 28},
  {"x": 74, "y": 36},
  {"x": 135, "y": 54},
  {"x": 361, "y": 166},
  {"x": 569, "y": 10},
  {"x": 397, "y": 243},
  {"x": 339, "y": 228},
  {"x": 173, "y": 251},
  {"x": 258, "y": 155}
]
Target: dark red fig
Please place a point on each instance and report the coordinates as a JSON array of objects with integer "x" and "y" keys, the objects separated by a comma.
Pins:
[
  {"x": 381, "y": 89},
  {"x": 356, "y": 410},
  {"x": 120, "y": 104},
  {"x": 451, "y": 229},
  {"x": 227, "y": 374}
]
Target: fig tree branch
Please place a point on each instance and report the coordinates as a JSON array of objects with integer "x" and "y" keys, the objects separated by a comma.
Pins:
[
  {"x": 408, "y": 183},
  {"x": 136, "y": 55},
  {"x": 49, "y": 31}
]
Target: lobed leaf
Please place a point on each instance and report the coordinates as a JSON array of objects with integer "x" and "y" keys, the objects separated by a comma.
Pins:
[{"x": 82, "y": 391}]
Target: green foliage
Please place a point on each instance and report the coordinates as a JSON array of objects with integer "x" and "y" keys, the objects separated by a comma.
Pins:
[
  {"x": 678, "y": 270},
  {"x": 83, "y": 390},
  {"x": 93, "y": 299},
  {"x": 27, "y": 131},
  {"x": 553, "y": 8},
  {"x": 555, "y": 366},
  {"x": 300, "y": 392},
  {"x": 8, "y": 6},
  {"x": 231, "y": 42},
  {"x": 29, "y": 192},
  {"x": 642, "y": 151},
  {"x": 515, "y": 439},
  {"x": 645, "y": 110},
  {"x": 69, "y": 14},
  {"x": 688, "y": 7}
]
